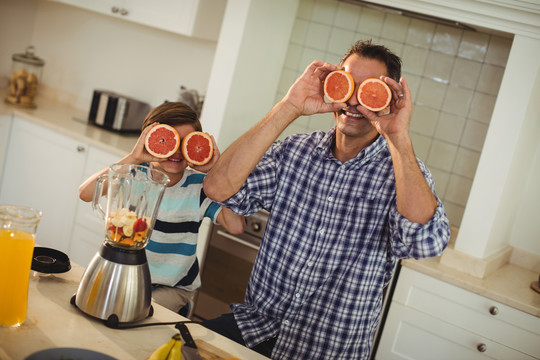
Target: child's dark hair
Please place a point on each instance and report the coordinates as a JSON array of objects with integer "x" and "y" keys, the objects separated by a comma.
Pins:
[
  {"x": 378, "y": 52},
  {"x": 173, "y": 113}
]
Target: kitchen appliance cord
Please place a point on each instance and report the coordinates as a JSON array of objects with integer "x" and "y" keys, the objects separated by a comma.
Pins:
[{"x": 132, "y": 326}]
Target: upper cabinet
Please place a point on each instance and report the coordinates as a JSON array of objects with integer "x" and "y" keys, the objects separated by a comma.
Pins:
[{"x": 196, "y": 18}]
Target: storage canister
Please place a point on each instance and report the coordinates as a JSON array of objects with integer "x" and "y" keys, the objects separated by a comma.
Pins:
[{"x": 25, "y": 76}]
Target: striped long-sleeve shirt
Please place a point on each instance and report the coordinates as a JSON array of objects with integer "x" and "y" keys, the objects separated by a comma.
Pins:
[{"x": 171, "y": 251}]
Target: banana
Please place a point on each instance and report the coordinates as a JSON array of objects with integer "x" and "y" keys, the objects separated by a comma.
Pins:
[
  {"x": 163, "y": 351},
  {"x": 168, "y": 351},
  {"x": 176, "y": 351}
]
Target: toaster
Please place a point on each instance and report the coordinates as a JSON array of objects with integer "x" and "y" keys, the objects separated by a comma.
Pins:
[{"x": 116, "y": 112}]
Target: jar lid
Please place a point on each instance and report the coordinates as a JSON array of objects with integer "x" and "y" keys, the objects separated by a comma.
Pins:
[
  {"x": 50, "y": 261},
  {"x": 28, "y": 57}
]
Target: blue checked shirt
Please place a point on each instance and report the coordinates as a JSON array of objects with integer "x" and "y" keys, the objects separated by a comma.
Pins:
[{"x": 329, "y": 249}]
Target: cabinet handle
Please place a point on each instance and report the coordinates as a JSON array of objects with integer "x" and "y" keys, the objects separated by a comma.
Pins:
[
  {"x": 81, "y": 148},
  {"x": 124, "y": 12},
  {"x": 493, "y": 310},
  {"x": 481, "y": 347},
  {"x": 115, "y": 9}
]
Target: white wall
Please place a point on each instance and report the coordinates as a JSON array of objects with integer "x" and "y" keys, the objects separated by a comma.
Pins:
[
  {"x": 525, "y": 228},
  {"x": 84, "y": 50},
  {"x": 507, "y": 162},
  {"x": 245, "y": 76},
  {"x": 525, "y": 233},
  {"x": 16, "y": 29}
]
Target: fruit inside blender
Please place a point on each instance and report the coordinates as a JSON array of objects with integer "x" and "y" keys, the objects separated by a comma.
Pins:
[{"x": 124, "y": 227}]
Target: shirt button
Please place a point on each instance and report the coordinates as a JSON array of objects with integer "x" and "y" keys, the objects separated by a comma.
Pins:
[
  {"x": 310, "y": 263},
  {"x": 330, "y": 198},
  {"x": 286, "y": 322},
  {"x": 321, "y": 231},
  {"x": 297, "y": 295}
]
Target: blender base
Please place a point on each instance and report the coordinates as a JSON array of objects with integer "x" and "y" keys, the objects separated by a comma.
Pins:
[
  {"x": 116, "y": 286},
  {"x": 112, "y": 321}
]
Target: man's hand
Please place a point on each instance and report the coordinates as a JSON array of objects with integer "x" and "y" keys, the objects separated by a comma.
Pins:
[
  {"x": 396, "y": 123},
  {"x": 415, "y": 201},
  {"x": 306, "y": 95}
]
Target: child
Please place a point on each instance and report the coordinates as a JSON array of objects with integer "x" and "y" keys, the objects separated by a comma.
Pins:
[{"x": 175, "y": 269}]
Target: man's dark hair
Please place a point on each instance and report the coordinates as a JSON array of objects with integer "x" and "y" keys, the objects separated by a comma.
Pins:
[{"x": 369, "y": 50}]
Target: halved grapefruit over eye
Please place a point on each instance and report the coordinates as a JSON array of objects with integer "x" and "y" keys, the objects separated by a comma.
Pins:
[
  {"x": 338, "y": 86},
  {"x": 197, "y": 148},
  {"x": 374, "y": 94},
  {"x": 162, "y": 141}
]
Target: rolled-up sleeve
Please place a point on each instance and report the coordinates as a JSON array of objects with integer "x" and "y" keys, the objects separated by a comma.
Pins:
[{"x": 410, "y": 239}]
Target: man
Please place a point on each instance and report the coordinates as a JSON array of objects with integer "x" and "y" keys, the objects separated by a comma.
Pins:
[{"x": 344, "y": 205}]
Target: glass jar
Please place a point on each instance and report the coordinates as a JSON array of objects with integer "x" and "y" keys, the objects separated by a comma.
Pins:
[{"x": 25, "y": 76}]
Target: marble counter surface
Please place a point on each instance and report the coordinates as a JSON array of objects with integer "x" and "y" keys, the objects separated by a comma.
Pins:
[
  {"x": 52, "y": 322},
  {"x": 509, "y": 285},
  {"x": 67, "y": 120}
]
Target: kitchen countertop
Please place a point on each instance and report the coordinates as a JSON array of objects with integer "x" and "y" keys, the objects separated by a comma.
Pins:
[
  {"x": 509, "y": 285},
  {"x": 52, "y": 322},
  {"x": 67, "y": 120}
]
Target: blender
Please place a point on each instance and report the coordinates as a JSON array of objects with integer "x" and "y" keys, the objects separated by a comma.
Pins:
[{"x": 116, "y": 285}]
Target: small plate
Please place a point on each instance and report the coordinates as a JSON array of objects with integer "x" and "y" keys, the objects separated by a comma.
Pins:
[
  {"x": 50, "y": 261},
  {"x": 68, "y": 353}
]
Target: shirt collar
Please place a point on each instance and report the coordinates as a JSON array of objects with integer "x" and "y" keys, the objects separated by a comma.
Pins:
[{"x": 324, "y": 147}]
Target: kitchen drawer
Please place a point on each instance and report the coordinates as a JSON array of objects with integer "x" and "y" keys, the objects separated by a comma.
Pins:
[
  {"x": 467, "y": 310},
  {"x": 412, "y": 334}
]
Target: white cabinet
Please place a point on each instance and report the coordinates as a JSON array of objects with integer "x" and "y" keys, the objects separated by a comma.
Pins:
[
  {"x": 43, "y": 169},
  {"x": 88, "y": 232},
  {"x": 197, "y": 18},
  {"x": 431, "y": 319},
  {"x": 5, "y": 126}
]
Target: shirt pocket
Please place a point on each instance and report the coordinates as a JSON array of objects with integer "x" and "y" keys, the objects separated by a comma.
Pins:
[{"x": 369, "y": 202}]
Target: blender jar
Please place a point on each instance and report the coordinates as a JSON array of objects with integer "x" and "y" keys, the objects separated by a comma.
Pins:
[
  {"x": 25, "y": 76},
  {"x": 133, "y": 194}
]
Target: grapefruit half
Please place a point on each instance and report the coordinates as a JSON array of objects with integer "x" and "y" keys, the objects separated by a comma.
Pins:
[
  {"x": 338, "y": 86},
  {"x": 197, "y": 148},
  {"x": 162, "y": 141},
  {"x": 374, "y": 94}
]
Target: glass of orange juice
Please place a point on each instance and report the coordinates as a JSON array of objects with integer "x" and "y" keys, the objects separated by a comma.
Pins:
[{"x": 18, "y": 226}]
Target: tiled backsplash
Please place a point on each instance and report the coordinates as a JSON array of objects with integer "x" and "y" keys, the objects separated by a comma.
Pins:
[{"x": 454, "y": 76}]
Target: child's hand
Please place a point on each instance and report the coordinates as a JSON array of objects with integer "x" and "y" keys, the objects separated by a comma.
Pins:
[
  {"x": 206, "y": 167},
  {"x": 139, "y": 154}
]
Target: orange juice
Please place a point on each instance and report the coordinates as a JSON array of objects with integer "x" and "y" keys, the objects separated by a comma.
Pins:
[{"x": 16, "y": 252}]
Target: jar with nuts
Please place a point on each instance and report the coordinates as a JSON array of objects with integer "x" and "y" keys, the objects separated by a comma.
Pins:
[{"x": 25, "y": 76}]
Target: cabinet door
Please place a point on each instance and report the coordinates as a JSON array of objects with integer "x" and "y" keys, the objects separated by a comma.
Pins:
[
  {"x": 109, "y": 7},
  {"x": 411, "y": 334},
  {"x": 171, "y": 15},
  {"x": 88, "y": 234},
  {"x": 5, "y": 126},
  {"x": 462, "y": 308},
  {"x": 44, "y": 169},
  {"x": 85, "y": 244},
  {"x": 198, "y": 18}
]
